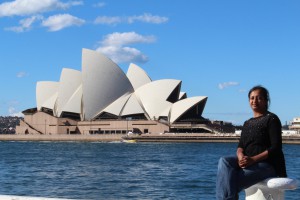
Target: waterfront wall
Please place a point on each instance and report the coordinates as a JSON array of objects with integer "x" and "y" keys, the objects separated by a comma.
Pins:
[
  {"x": 183, "y": 137},
  {"x": 82, "y": 138}
]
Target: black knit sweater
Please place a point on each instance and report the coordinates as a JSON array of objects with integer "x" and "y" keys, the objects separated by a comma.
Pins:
[{"x": 264, "y": 133}]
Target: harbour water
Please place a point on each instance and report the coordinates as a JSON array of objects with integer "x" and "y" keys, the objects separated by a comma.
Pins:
[{"x": 86, "y": 170}]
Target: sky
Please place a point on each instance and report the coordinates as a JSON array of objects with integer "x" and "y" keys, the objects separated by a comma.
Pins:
[{"x": 219, "y": 49}]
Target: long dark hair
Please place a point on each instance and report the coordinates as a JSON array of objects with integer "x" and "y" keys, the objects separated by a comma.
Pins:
[{"x": 264, "y": 93}]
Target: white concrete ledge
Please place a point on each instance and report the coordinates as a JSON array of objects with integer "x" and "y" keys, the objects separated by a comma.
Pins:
[
  {"x": 282, "y": 183},
  {"x": 272, "y": 188}
]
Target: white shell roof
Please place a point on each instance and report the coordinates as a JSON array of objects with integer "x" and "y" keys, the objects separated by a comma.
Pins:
[
  {"x": 154, "y": 95},
  {"x": 116, "y": 107},
  {"x": 182, "y": 106},
  {"x": 69, "y": 94},
  {"x": 103, "y": 82},
  {"x": 132, "y": 107},
  {"x": 102, "y": 86},
  {"x": 51, "y": 102},
  {"x": 74, "y": 103},
  {"x": 137, "y": 76},
  {"x": 46, "y": 94},
  {"x": 182, "y": 95}
]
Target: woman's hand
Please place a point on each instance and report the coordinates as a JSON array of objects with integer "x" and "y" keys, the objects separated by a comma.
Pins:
[{"x": 245, "y": 161}]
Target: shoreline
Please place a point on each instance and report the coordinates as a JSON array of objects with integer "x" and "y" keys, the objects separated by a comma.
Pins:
[
  {"x": 178, "y": 137},
  {"x": 62, "y": 138}
]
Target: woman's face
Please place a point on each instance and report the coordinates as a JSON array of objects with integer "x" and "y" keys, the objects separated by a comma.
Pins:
[{"x": 257, "y": 102}]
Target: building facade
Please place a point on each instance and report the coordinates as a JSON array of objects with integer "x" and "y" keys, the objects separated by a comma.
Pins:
[{"x": 102, "y": 99}]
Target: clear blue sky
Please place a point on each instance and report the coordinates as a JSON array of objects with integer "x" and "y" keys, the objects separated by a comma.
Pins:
[{"x": 218, "y": 48}]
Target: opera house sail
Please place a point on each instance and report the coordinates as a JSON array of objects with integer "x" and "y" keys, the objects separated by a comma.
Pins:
[{"x": 102, "y": 99}]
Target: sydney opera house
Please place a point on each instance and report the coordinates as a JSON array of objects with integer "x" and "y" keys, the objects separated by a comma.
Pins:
[{"x": 102, "y": 99}]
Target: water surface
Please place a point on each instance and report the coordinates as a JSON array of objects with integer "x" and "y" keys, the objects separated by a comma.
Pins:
[{"x": 82, "y": 170}]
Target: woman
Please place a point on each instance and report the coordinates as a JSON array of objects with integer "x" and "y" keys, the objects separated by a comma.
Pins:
[{"x": 259, "y": 154}]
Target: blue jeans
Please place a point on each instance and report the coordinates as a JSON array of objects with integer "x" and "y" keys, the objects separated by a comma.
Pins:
[{"x": 231, "y": 179}]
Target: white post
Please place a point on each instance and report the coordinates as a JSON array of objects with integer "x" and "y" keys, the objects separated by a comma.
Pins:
[{"x": 272, "y": 188}]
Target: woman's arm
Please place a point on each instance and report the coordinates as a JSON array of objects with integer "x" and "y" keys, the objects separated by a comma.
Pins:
[
  {"x": 241, "y": 156},
  {"x": 262, "y": 156},
  {"x": 274, "y": 130},
  {"x": 240, "y": 153}
]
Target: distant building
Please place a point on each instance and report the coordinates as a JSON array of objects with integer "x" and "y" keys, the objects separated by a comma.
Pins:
[
  {"x": 295, "y": 125},
  {"x": 102, "y": 99}
]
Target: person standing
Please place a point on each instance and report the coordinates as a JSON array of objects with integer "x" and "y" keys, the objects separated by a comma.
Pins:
[{"x": 259, "y": 153}]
